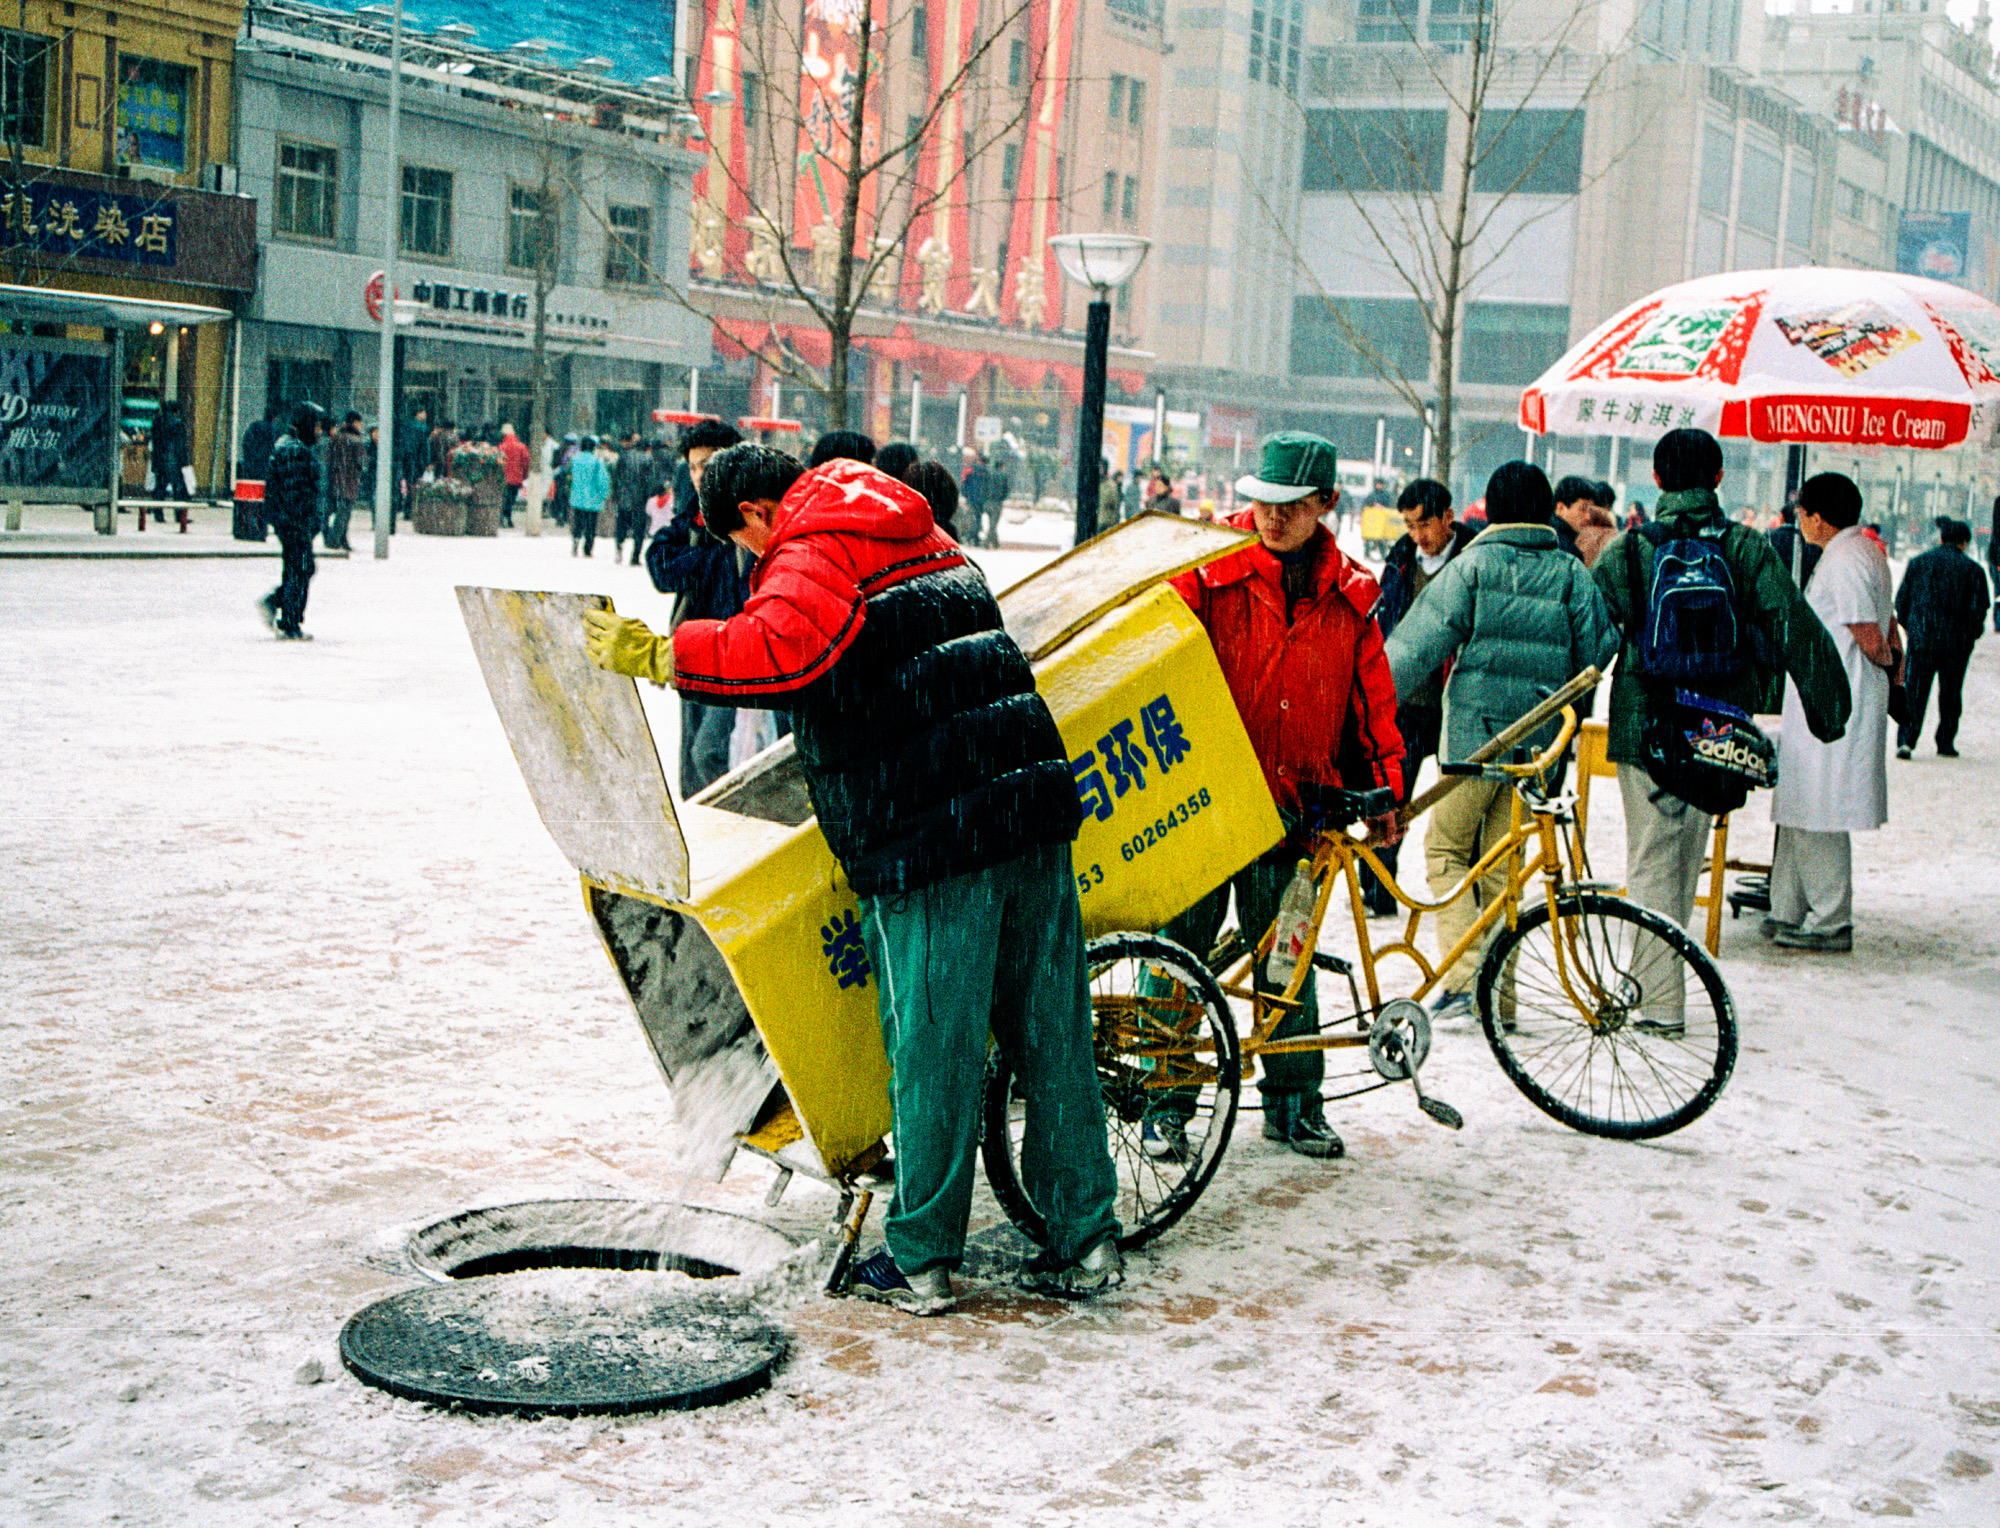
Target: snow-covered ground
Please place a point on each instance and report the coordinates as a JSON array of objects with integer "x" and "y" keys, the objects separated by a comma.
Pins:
[{"x": 291, "y": 967}]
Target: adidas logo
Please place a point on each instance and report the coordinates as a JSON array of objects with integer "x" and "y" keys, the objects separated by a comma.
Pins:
[{"x": 1719, "y": 746}]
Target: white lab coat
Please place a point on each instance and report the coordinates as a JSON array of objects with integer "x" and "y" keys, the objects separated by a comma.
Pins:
[{"x": 1842, "y": 786}]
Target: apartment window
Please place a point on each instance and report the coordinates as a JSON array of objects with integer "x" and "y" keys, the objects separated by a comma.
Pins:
[
  {"x": 152, "y": 112},
  {"x": 1537, "y": 153},
  {"x": 426, "y": 211},
  {"x": 24, "y": 88},
  {"x": 1017, "y": 62},
  {"x": 1387, "y": 20},
  {"x": 1374, "y": 150},
  {"x": 1010, "y": 165},
  {"x": 1799, "y": 208},
  {"x": 1135, "y": 103},
  {"x": 307, "y": 200},
  {"x": 1757, "y": 193},
  {"x": 749, "y": 88},
  {"x": 1718, "y": 168},
  {"x": 1510, "y": 344},
  {"x": 1258, "y": 24},
  {"x": 1390, "y": 329},
  {"x": 1292, "y": 40},
  {"x": 531, "y": 225},
  {"x": 1115, "y": 109},
  {"x": 920, "y": 33},
  {"x": 629, "y": 250},
  {"x": 1110, "y": 193},
  {"x": 1453, "y": 23},
  {"x": 1129, "y": 205}
]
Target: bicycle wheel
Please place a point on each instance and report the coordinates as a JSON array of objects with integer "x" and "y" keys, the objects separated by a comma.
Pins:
[
  {"x": 1166, "y": 1057},
  {"x": 1610, "y": 1018}
]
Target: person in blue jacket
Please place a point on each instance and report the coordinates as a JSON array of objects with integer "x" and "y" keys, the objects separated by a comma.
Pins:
[{"x": 589, "y": 487}]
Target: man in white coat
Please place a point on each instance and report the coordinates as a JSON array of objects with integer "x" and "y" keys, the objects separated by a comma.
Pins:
[{"x": 1827, "y": 792}]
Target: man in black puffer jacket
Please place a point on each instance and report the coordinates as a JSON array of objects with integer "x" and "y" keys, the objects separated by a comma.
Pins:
[
  {"x": 943, "y": 788},
  {"x": 291, "y": 504}
]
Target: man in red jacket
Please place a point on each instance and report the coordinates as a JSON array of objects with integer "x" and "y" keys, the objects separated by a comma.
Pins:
[
  {"x": 944, "y": 790},
  {"x": 1290, "y": 619},
  {"x": 514, "y": 467}
]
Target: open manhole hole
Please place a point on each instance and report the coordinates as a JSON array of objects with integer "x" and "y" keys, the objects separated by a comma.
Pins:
[{"x": 624, "y": 1235}]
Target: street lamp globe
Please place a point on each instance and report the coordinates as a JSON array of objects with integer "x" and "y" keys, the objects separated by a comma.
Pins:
[{"x": 1099, "y": 261}]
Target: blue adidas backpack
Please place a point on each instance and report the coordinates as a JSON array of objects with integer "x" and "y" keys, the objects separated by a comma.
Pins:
[{"x": 1688, "y": 630}]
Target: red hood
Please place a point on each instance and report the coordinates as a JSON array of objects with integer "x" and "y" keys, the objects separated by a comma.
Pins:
[
  {"x": 851, "y": 497},
  {"x": 1334, "y": 569}
]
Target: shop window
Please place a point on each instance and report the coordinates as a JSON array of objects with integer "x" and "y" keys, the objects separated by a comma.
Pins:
[
  {"x": 531, "y": 226},
  {"x": 290, "y": 379},
  {"x": 426, "y": 211},
  {"x": 307, "y": 200},
  {"x": 1510, "y": 344},
  {"x": 621, "y": 410},
  {"x": 24, "y": 88},
  {"x": 423, "y": 388},
  {"x": 514, "y": 403},
  {"x": 629, "y": 250},
  {"x": 152, "y": 112}
]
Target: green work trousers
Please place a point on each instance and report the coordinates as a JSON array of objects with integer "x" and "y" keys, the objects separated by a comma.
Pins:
[
  {"x": 998, "y": 950},
  {"x": 1259, "y": 887}
]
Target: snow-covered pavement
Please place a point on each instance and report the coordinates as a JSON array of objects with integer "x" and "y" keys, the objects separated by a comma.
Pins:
[{"x": 291, "y": 967}]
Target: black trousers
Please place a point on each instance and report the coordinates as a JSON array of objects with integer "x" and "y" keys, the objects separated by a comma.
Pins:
[
  {"x": 705, "y": 733},
  {"x": 296, "y": 575},
  {"x": 1947, "y": 666},
  {"x": 583, "y": 530}
]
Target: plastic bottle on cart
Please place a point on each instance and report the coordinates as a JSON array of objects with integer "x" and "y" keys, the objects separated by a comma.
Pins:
[{"x": 1294, "y": 925}]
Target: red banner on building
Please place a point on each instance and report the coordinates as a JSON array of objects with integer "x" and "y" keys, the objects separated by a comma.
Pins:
[
  {"x": 829, "y": 74},
  {"x": 1033, "y": 296}
]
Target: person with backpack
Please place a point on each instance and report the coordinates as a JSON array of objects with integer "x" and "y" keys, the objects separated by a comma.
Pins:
[
  {"x": 1828, "y": 790},
  {"x": 1712, "y": 625},
  {"x": 1519, "y": 615}
]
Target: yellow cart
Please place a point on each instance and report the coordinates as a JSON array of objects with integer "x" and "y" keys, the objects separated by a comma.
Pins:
[{"x": 731, "y": 925}]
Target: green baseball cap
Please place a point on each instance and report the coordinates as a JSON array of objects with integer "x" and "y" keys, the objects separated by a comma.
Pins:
[{"x": 1295, "y": 463}]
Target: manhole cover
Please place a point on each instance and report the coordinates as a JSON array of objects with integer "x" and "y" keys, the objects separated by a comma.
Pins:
[
  {"x": 562, "y": 1342},
  {"x": 597, "y": 1233}
]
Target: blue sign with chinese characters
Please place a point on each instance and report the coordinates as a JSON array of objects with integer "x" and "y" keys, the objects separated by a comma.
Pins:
[
  {"x": 1165, "y": 739},
  {"x": 97, "y": 225},
  {"x": 846, "y": 955}
]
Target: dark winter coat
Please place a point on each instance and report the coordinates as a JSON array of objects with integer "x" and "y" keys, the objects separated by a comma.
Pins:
[
  {"x": 632, "y": 480},
  {"x": 346, "y": 456},
  {"x": 1943, "y": 601},
  {"x": 711, "y": 576},
  {"x": 1399, "y": 575},
  {"x": 927, "y": 751},
  {"x": 169, "y": 449},
  {"x": 291, "y": 490}
]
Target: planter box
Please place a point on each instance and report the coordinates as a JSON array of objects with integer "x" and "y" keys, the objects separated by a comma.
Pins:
[
  {"x": 434, "y": 513},
  {"x": 482, "y": 518}
]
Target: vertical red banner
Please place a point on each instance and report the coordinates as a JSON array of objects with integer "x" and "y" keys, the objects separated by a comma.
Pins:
[
  {"x": 829, "y": 73},
  {"x": 1033, "y": 295},
  {"x": 719, "y": 208}
]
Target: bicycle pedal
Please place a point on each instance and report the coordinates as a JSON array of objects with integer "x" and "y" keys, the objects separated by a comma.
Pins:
[{"x": 1442, "y": 1112}]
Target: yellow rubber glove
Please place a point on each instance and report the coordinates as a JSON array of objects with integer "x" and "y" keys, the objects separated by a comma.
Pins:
[{"x": 626, "y": 646}]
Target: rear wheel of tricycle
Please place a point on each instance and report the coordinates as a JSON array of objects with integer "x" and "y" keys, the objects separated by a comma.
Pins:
[
  {"x": 1608, "y": 1016},
  {"x": 1168, "y": 1069}
]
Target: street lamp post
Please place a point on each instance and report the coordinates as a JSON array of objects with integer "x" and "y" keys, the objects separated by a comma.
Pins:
[
  {"x": 385, "y": 365},
  {"x": 1099, "y": 261}
]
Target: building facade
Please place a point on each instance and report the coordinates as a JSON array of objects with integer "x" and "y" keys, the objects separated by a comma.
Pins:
[
  {"x": 524, "y": 189},
  {"x": 120, "y": 120}
]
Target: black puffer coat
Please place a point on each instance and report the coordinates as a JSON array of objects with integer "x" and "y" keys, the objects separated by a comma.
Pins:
[
  {"x": 927, "y": 750},
  {"x": 291, "y": 489}
]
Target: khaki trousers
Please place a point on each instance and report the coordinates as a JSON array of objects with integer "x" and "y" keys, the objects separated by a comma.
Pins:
[{"x": 1463, "y": 826}]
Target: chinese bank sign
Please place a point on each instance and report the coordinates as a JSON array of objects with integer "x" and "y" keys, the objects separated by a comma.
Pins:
[{"x": 98, "y": 225}]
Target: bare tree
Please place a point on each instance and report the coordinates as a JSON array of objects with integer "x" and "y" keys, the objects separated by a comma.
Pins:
[
  {"x": 904, "y": 176},
  {"x": 1432, "y": 200}
]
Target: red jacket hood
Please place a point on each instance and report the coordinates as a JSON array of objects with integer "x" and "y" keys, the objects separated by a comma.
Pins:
[
  {"x": 1333, "y": 570},
  {"x": 851, "y": 497}
]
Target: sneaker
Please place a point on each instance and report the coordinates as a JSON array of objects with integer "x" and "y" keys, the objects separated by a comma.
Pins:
[
  {"x": 1945, "y": 751},
  {"x": 878, "y": 1278},
  {"x": 1837, "y": 941},
  {"x": 1452, "y": 1008},
  {"x": 1771, "y": 928},
  {"x": 1902, "y": 752},
  {"x": 267, "y": 608},
  {"x": 293, "y": 635},
  {"x": 1164, "y": 1138},
  {"x": 1300, "y": 1123},
  {"x": 1099, "y": 1269}
]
